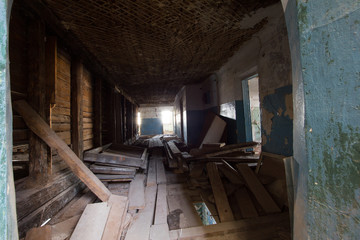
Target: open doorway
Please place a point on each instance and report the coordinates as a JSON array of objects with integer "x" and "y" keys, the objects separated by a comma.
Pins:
[{"x": 251, "y": 99}]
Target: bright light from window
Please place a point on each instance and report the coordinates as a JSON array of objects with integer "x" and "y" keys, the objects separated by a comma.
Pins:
[
  {"x": 166, "y": 117},
  {"x": 139, "y": 118}
]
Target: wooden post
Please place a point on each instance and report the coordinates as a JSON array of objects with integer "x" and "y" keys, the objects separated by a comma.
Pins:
[
  {"x": 51, "y": 76},
  {"x": 98, "y": 113},
  {"x": 38, "y": 166},
  {"x": 76, "y": 108}
]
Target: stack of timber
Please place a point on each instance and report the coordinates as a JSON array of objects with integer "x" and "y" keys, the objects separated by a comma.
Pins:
[
  {"x": 173, "y": 154},
  {"x": 155, "y": 142},
  {"x": 117, "y": 163}
]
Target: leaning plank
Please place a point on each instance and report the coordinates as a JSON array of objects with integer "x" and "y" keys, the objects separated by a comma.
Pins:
[
  {"x": 41, "y": 233},
  {"x": 161, "y": 210},
  {"x": 160, "y": 171},
  {"x": 245, "y": 204},
  {"x": 136, "y": 192},
  {"x": 92, "y": 222},
  {"x": 255, "y": 186},
  {"x": 115, "y": 221},
  {"x": 221, "y": 229},
  {"x": 215, "y": 131},
  {"x": 42, "y": 129},
  {"x": 140, "y": 228},
  {"x": 222, "y": 203},
  {"x": 151, "y": 177},
  {"x": 159, "y": 232},
  {"x": 99, "y": 149}
]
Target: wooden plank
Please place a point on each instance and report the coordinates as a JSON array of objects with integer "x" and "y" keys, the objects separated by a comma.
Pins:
[
  {"x": 160, "y": 171},
  {"x": 64, "y": 229},
  {"x": 174, "y": 149},
  {"x": 137, "y": 192},
  {"x": 114, "y": 160},
  {"x": 76, "y": 107},
  {"x": 41, "y": 233},
  {"x": 222, "y": 203},
  {"x": 40, "y": 128},
  {"x": 92, "y": 222},
  {"x": 231, "y": 173},
  {"x": 113, "y": 177},
  {"x": 49, "y": 209},
  {"x": 161, "y": 210},
  {"x": 140, "y": 228},
  {"x": 245, "y": 204},
  {"x": 151, "y": 177},
  {"x": 38, "y": 165},
  {"x": 260, "y": 193},
  {"x": 215, "y": 131},
  {"x": 115, "y": 220},
  {"x": 221, "y": 229},
  {"x": 112, "y": 170},
  {"x": 159, "y": 232}
]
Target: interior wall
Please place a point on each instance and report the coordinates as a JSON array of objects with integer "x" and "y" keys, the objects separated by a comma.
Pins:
[
  {"x": 266, "y": 54},
  {"x": 151, "y": 119}
]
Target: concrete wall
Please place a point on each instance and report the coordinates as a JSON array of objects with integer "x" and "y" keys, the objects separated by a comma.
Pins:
[{"x": 325, "y": 41}]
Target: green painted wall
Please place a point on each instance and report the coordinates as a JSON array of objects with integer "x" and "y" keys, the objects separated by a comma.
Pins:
[
  {"x": 325, "y": 49},
  {"x": 8, "y": 224}
]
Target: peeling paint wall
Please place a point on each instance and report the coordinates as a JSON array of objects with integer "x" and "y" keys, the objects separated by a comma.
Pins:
[
  {"x": 326, "y": 58},
  {"x": 266, "y": 54},
  {"x": 151, "y": 119}
]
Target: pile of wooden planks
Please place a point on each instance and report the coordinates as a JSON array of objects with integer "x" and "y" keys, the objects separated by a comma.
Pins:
[
  {"x": 116, "y": 163},
  {"x": 173, "y": 154}
]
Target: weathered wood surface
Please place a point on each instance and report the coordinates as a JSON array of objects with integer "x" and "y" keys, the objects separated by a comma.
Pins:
[
  {"x": 41, "y": 233},
  {"x": 242, "y": 227},
  {"x": 151, "y": 176},
  {"x": 49, "y": 209},
  {"x": 245, "y": 204},
  {"x": 40, "y": 128},
  {"x": 28, "y": 200},
  {"x": 64, "y": 229},
  {"x": 115, "y": 221},
  {"x": 160, "y": 171},
  {"x": 161, "y": 210},
  {"x": 112, "y": 159},
  {"x": 113, "y": 177},
  {"x": 92, "y": 222},
  {"x": 137, "y": 192},
  {"x": 222, "y": 203},
  {"x": 215, "y": 132},
  {"x": 112, "y": 170},
  {"x": 159, "y": 232},
  {"x": 260, "y": 193},
  {"x": 140, "y": 228},
  {"x": 77, "y": 70}
]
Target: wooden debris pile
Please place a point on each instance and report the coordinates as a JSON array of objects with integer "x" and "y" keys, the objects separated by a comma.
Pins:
[
  {"x": 238, "y": 191},
  {"x": 116, "y": 163}
]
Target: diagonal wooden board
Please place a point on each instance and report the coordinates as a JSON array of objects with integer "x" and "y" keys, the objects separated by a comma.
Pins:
[
  {"x": 42, "y": 129},
  {"x": 255, "y": 186},
  {"x": 221, "y": 200},
  {"x": 137, "y": 192},
  {"x": 116, "y": 219},
  {"x": 92, "y": 222}
]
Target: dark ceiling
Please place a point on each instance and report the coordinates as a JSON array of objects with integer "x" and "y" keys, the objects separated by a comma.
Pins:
[{"x": 153, "y": 48}]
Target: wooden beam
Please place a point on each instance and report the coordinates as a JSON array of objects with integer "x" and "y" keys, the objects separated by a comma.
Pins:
[
  {"x": 98, "y": 112},
  {"x": 255, "y": 186},
  {"x": 221, "y": 200},
  {"x": 161, "y": 210},
  {"x": 76, "y": 107},
  {"x": 40, "y": 233},
  {"x": 38, "y": 165},
  {"x": 40, "y": 128},
  {"x": 245, "y": 204},
  {"x": 51, "y": 77}
]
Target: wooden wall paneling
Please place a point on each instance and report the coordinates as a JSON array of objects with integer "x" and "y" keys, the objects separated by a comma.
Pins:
[
  {"x": 123, "y": 112},
  {"x": 51, "y": 76},
  {"x": 98, "y": 113},
  {"x": 76, "y": 107},
  {"x": 38, "y": 169},
  {"x": 88, "y": 110}
]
